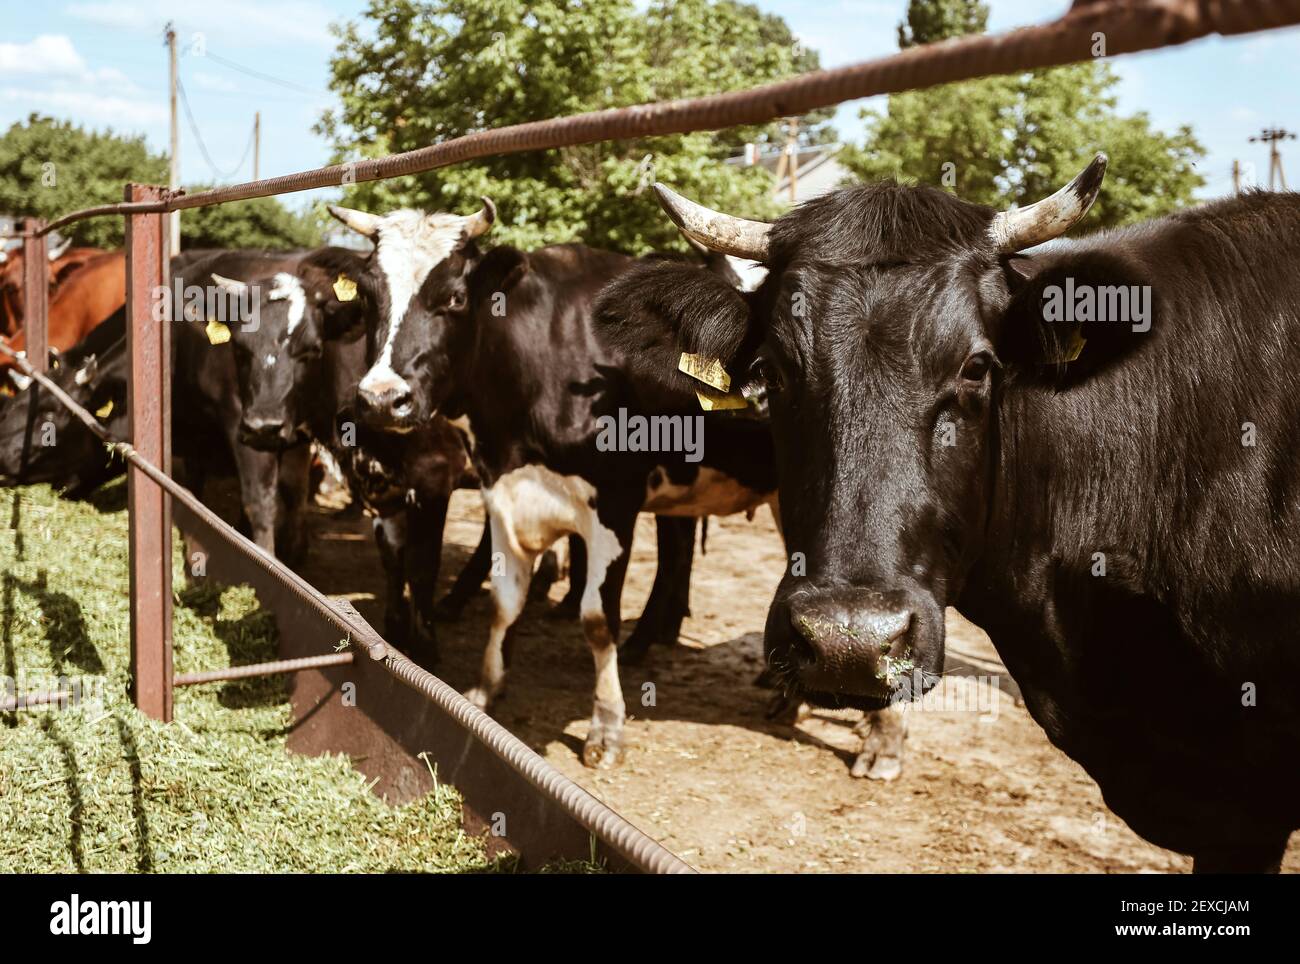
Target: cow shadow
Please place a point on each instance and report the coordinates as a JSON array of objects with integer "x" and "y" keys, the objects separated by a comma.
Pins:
[
  {"x": 63, "y": 622},
  {"x": 552, "y": 676},
  {"x": 245, "y": 642},
  {"x": 107, "y": 498}
]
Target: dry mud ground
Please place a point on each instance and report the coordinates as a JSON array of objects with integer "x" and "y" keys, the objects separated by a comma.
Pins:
[{"x": 982, "y": 790}]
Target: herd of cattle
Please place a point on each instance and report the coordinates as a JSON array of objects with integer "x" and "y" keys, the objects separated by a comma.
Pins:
[{"x": 1115, "y": 505}]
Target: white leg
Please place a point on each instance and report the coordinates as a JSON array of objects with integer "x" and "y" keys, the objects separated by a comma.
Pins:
[
  {"x": 512, "y": 568},
  {"x": 604, "y": 744}
]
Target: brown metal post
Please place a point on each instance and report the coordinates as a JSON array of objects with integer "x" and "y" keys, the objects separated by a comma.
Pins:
[
  {"x": 36, "y": 294},
  {"x": 148, "y": 400}
]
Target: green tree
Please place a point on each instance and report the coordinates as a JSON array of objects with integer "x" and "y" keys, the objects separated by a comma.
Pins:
[
  {"x": 1018, "y": 138},
  {"x": 50, "y": 167},
  {"x": 417, "y": 73},
  {"x": 258, "y": 223},
  {"x": 930, "y": 21}
]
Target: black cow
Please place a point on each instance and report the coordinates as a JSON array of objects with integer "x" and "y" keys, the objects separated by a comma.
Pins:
[
  {"x": 506, "y": 338},
  {"x": 39, "y": 439},
  {"x": 297, "y": 373},
  {"x": 1112, "y": 500},
  {"x": 206, "y": 405}
]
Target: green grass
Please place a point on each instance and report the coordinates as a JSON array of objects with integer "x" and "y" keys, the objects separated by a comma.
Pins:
[{"x": 99, "y": 787}]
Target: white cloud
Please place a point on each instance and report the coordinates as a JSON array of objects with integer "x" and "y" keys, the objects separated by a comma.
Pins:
[
  {"x": 49, "y": 75},
  {"x": 49, "y": 55},
  {"x": 245, "y": 22},
  {"x": 98, "y": 110}
]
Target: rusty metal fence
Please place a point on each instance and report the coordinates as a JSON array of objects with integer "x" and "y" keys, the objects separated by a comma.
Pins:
[{"x": 483, "y": 753}]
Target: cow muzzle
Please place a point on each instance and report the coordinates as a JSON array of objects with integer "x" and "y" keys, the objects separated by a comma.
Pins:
[
  {"x": 266, "y": 434},
  {"x": 391, "y": 409},
  {"x": 848, "y": 645}
]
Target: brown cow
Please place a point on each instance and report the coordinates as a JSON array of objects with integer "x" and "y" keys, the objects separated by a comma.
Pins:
[
  {"x": 84, "y": 299},
  {"x": 64, "y": 261}
]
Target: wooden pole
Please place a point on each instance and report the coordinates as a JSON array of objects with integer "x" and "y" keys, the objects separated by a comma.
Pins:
[
  {"x": 36, "y": 295},
  {"x": 257, "y": 143},
  {"x": 174, "y": 165},
  {"x": 148, "y": 400}
]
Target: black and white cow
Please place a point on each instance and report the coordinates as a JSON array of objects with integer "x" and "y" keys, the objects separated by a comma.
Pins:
[
  {"x": 207, "y": 410},
  {"x": 297, "y": 374},
  {"x": 1108, "y": 488},
  {"x": 506, "y": 338}
]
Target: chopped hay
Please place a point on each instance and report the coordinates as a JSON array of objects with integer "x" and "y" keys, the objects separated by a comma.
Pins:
[{"x": 97, "y": 787}]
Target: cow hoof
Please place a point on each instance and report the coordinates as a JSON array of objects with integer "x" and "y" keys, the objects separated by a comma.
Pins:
[
  {"x": 566, "y": 608},
  {"x": 479, "y": 697},
  {"x": 602, "y": 750},
  {"x": 634, "y": 651},
  {"x": 883, "y": 768}
]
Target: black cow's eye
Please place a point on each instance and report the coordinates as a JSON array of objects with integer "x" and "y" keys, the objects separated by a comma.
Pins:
[
  {"x": 976, "y": 367},
  {"x": 457, "y": 301}
]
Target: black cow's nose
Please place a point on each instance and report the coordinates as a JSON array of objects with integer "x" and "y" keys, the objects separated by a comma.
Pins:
[
  {"x": 391, "y": 402},
  {"x": 853, "y": 640}
]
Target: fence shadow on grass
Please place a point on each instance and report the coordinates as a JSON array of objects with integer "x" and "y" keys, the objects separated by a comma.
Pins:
[
  {"x": 131, "y": 754},
  {"x": 72, "y": 781}
]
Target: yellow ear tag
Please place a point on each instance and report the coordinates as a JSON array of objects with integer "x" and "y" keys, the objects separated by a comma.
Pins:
[
  {"x": 218, "y": 334},
  {"x": 707, "y": 370},
  {"x": 105, "y": 410},
  {"x": 345, "y": 289},
  {"x": 720, "y": 403}
]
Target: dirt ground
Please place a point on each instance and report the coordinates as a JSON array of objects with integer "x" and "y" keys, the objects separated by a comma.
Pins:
[{"x": 982, "y": 790}]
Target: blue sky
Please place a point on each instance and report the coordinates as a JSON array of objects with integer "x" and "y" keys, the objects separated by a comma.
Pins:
[{"x": 102, "y": 63}]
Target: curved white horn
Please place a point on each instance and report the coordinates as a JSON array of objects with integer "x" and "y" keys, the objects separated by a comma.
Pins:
[
  {"x": 480, "y": 222},
  {"x": 713, "y": 229},
  {"x": 56, "y": 253},
  {"x": 1051, "y": 217},
  {"x": 229, "y": 284},
  {"x": 358, "y": 221}
]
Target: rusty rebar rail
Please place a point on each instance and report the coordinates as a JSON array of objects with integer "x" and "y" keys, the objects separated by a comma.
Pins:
[
  {"x": 629, "y": 842},
  {"x": 1123, "y": 26}
]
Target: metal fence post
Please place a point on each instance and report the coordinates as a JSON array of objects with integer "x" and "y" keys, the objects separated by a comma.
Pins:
[
  {"x": 149, "y": 403},
  {"x": 36, "y": 294}
]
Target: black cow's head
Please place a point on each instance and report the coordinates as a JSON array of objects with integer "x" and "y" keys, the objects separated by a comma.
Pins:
[
  {"x": 418, "y": 282},
  {"x": 41, "y": 441},
  {"x": 890, "y": 318},
  {"x": 279, "y": 358}
]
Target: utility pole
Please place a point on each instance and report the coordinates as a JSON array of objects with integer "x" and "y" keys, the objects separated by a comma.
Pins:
[
  {"x": 257, "y": 141},
  {"x": 1236, "y": 177},
  {"x": 174, "y": 170},
  {"x": 1271, "y": 136}
]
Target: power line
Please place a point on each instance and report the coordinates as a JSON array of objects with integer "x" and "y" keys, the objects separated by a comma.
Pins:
[
  {"x": 261, "y": 76},
  {"x": 203, "y": 149}
]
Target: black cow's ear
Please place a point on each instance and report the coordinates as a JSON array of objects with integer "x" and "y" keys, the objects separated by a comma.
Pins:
[
  {"x": 1069, "y": 315},
  {"x": 500, "y": 270},
  {"x": 657, "y": 312}
]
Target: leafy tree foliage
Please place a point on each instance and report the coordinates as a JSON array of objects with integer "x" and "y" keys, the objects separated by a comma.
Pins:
[
  {"x": 50, "y": 167},
  {"x": 999, "y": 140},
  {"x": 417, "y": 73}
]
